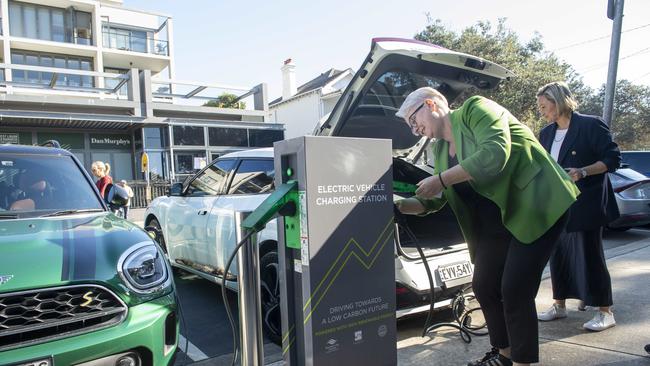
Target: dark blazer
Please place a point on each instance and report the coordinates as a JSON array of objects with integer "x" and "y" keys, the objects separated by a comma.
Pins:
[{"x": 587, "y": 141}]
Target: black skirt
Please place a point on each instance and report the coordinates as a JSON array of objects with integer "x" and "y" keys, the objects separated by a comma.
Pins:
[{"x": 579, "y": 270}]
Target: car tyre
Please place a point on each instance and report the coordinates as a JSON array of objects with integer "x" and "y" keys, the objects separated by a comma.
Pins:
[
  {"x": 270, "y": 296},
  {"x": 160, "y": 239}
]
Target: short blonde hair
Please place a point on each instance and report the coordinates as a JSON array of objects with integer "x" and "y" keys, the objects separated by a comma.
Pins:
[
  {"x": 416, "y": 98},
  {"x": 559, "y": 93}
]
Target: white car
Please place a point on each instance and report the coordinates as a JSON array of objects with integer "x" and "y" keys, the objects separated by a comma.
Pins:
[{"x": 196, "y": 219}]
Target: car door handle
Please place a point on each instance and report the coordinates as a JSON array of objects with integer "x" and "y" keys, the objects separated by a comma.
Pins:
[{"x": 202, "y": 212}]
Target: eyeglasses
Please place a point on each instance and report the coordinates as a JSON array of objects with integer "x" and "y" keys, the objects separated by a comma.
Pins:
[{"x": 412, "y": 122}]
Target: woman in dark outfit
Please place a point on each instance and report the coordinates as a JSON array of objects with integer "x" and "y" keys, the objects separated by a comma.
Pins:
[
  {"x": 510, "y": 199},
  {"x": 583, "y": 145}
]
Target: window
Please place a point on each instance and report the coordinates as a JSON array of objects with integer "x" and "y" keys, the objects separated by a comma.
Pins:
[
  {"x": 33, "y": 185},
  {"x": 50, "y": 24},
  {"x": 189, "y": 136},
  {"x": 189, "y": 162},
  {"x": 253, "y": 176},
  {"x": 374, "y": 116},
  {"x": 212, "y": 180},
  {"x": 219, "y": 136},
  {"x": 112, "y": 82},
  {"x": 21, "y": 57},
  {"x": 125, "y": 39},
  {"x": 265, "y": 138},
  {"x": 155, "y": 138}
]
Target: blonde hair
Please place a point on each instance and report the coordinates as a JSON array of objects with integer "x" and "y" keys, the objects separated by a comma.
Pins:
[
  {"x": 416, "y": 98},
  {"x": 100, "y": 166},
  {"x": 559, "y": 93}
]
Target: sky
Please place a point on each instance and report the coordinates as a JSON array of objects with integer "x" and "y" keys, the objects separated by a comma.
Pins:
[{"x": 244, "y": 43}]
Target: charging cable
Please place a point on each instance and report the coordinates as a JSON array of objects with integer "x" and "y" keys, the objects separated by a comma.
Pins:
[{"x": 462, "y": 315}]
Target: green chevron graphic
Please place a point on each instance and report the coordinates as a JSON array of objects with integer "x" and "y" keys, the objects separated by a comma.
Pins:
[
  {"x": 350, "y": 253},
  {"x": 365, "y": 260}
]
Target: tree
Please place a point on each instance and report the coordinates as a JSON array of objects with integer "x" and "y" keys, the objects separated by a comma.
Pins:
[
  {"x": 532, "y": 65},
  {"x": 226, "y": 100},
  {"x": 631, "y": 119}
]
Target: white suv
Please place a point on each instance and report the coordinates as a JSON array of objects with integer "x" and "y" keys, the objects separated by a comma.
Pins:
[{"x": 197, "y": 221}]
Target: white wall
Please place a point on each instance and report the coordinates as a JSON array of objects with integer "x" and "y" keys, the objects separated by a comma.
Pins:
[
  {"x": 128, "y": 17},
  {"x": 299, "y": 116}
]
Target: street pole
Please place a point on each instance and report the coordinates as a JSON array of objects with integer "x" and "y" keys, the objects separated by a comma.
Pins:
[{"x": 614, "y": 12}]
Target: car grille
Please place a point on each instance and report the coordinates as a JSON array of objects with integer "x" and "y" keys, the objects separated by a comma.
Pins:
[{"x": 41, "y": 315}]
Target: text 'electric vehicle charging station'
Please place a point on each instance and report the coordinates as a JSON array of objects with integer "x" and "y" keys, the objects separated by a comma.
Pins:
[{"x": 336, "y": 249}]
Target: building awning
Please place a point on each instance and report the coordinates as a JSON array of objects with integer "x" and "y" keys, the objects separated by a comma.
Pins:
[{"x": 10, "y": 118}]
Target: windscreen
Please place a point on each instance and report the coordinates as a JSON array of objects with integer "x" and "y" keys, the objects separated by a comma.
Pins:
[{"x": 33, "y": 185}]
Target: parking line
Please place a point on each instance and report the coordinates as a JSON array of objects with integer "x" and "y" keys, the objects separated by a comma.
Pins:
[{"x": 192, "y": 351}]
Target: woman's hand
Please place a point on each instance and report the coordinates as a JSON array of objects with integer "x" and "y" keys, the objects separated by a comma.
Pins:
[
  {"x": 429, "y": 187},
  {"x": 574, "y": 173},
  {"x": 409, "y": 206}
]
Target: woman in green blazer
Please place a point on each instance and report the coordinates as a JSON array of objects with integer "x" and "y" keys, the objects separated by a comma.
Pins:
[{"x": 510, "y": 199}]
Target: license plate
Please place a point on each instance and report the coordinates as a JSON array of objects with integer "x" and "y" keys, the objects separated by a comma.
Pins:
[
  {"x": 455, "y": 271},
  {"x": 41, "y": 362}
]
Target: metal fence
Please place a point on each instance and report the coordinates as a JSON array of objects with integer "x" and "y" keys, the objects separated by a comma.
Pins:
[{"x": 143, "y": 196}]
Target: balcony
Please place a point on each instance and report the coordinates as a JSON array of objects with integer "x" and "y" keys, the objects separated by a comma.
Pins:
[{"x": 127, "y": 41}]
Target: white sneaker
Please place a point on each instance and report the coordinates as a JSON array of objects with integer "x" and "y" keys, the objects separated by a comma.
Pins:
[
  {"x": 554, "y": 312},
  {"x": 601, "y": 321}
]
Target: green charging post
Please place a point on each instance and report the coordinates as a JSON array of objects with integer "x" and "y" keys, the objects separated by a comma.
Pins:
[{"x": 283, "y": 201}]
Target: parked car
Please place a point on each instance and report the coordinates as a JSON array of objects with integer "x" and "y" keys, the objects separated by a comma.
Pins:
[
  {"x": 637, "y": 160},
  {"x": 196, "y": 219},
  {"x": 78, "y": 285},
  {"x": 632, "y": 192}
]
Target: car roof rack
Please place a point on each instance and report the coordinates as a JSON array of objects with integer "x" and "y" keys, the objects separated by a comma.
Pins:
[{"x": 51, "y": 143}]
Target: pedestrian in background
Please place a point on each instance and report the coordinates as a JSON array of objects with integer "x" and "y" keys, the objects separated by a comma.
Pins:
[
  {"x": 101, "y": 170},
  {"x": 582, "y": 144},
  {"x": 129, "y": 191},
  {"x": 510, "y": 199}
]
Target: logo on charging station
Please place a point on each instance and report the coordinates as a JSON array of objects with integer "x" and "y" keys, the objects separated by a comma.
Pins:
[
  {"x": 332, "y": 345},
  {"x": 358, "y": 336}
]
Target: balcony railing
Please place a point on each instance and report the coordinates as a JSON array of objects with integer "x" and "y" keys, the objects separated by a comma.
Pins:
[
  {"x": 201, "y": 94},
  {"x": 41, "y": 77},
  {"x": 130, "y": 42}
]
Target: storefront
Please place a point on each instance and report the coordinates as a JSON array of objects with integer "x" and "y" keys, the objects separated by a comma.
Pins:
[
  {"x": 174, "y": 151},
  {"x": 181, "y": 149},
  {"x": 113, "y": 148}
]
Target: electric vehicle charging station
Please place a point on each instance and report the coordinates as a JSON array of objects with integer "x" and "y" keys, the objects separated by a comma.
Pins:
[{"x": 336, "y": 253}]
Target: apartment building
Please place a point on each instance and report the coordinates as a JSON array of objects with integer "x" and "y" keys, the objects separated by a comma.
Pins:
[{"x": 100, "y": 78}]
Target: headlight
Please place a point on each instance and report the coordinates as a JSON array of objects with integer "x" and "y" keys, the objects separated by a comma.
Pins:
[{"x": 143, "y": 268}]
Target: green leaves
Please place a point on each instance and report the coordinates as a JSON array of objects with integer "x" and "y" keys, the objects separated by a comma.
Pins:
[{"x": 535, "y": 66}]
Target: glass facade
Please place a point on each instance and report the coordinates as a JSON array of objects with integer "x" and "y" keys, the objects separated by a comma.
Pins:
[
  {"x": 155, "y": 138},
  {"x": 221, "y": 136},
  {"x": 52, "y": 60},
  {"x": 189, "y": 136},
  {"x": 50, "y": 24},
  {"x": 264, "y": 138},
  {"x": 189, "y": 162}
]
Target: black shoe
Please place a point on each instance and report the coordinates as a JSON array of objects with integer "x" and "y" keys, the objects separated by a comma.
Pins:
[
  {"x": 492, "y": 358},
  {"x": 647, "y": 348}
]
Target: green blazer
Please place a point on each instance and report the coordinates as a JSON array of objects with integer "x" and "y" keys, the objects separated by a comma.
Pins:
[{"x": 508, "y": 166}]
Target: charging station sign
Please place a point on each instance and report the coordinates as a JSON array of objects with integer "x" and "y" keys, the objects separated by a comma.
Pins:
[{"x": 344, "y": 294}]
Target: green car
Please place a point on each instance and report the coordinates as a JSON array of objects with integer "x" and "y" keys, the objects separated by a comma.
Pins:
[{"x": 78, "y": 285}]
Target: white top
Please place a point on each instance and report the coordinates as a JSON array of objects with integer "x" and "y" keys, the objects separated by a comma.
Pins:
[{"x": 557, "y": 142}]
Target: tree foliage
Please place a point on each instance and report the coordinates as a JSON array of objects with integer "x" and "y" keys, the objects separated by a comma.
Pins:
[
  {"x": 226, "y": 100},
  {"x": 534, "y": 66}
]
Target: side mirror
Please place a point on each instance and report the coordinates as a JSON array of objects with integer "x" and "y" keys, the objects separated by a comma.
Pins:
[
  {"x": 116, "y": 196},
  {"x": 176, "y": 189}
]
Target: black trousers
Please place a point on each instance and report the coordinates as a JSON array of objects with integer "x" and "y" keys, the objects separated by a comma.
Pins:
[
  {"x": 579, "y": 269},
  {"x": 507, "y": 274}
]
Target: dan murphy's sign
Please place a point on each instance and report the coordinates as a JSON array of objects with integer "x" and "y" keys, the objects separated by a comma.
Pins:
[{"x": 110, "y": 141}]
